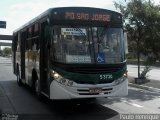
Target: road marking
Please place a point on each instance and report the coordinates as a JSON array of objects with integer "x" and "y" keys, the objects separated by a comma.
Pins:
[
  {"x": 133, "y": 104},
  {"x": 136, "y": 105}
]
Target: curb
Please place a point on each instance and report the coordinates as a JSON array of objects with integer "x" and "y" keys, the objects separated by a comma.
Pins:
[{"x": 144, "y": 87}]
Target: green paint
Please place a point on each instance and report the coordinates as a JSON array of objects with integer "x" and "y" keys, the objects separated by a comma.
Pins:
[{"x": 90, "y": 78}]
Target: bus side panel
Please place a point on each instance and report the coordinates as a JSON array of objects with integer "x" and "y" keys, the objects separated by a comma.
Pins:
[
  {"x": 14, "y": 48},
  {"x": 18, "y": 55},
  {"x": 23, "y": 37},
  {"x": 31, "y": 54}
]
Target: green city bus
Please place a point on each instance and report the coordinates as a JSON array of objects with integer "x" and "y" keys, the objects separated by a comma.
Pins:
[{"x": 72, "y": 53}]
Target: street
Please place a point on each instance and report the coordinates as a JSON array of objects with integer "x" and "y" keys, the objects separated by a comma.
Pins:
[{"x": 22, "y": 101}]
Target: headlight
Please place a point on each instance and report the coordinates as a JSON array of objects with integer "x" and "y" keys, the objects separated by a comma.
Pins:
[
  {"x": 120, "y": 80},
  {"x": 56, "y": 76},
  {"x": 60, "y": 79},
  {"x": 126, "y": 73},
  {"x": 123, "y": 78},
  {"x": 66, "y": 82}
]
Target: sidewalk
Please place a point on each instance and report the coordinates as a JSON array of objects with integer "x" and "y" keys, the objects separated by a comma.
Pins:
[{"x": 151, "y": 85}]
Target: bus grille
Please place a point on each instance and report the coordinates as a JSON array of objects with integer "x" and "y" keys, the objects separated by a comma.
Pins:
[{"x": 86, "y": 91}]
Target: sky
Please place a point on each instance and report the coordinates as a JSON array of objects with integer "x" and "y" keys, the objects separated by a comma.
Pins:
[{"x": 18, "y": 12}]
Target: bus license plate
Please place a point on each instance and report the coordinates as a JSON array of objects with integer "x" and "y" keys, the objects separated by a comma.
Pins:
[{"x": 95, "y": 90}]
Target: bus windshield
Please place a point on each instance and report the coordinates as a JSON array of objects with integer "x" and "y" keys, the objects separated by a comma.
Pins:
[{"x": 87, "y": 45}]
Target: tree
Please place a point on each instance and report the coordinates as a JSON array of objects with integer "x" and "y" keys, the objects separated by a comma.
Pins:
[
  {"x": 152, "y": 42},
  {"x": 142, "y": 22},
  {"x": 7, "y": 51}
]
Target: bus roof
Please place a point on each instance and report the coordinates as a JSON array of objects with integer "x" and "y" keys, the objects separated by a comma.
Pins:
[{"x": 64, "y": 9}]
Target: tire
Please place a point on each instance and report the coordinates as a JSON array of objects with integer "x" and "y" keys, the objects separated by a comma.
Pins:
[{"x": 19, "y": 81}]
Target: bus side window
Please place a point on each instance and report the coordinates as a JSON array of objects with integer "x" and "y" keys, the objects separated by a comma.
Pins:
[
  {"x": 47, "y": 35},
  {"x": 29, "y": 32},
  {"x": 37, "y": 43},
  {"x": 36, "y": 29},
  {"x": 28, "y": 44},
  {"x": 18, "y": 44},
  {"x": 15, "y": 43},
  {"x": 34, "y": 44}
]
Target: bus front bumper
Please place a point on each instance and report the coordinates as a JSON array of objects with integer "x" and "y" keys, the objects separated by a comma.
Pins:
[{"x": 62, "y": 92}]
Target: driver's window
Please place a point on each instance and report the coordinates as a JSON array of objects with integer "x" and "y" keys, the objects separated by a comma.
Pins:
[{"x": 57, "y": 52}]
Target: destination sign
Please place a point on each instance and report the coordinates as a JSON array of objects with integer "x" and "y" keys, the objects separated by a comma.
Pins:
[
  {"x": 73, "y": 31},
  {"x": 78, "y": 59},
  {"x": 88, "y": 16}
]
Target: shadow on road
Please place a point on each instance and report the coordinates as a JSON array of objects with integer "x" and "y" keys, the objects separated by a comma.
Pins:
[
  {"x": 68, "y": 111},
  {"x": 133, "y": 94},
  {"x": 30, "y": 108},
  {"x": 71, "y": 110}
]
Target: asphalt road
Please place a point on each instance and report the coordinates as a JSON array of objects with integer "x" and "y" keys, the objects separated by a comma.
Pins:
[{"x": 21, "y": 101}]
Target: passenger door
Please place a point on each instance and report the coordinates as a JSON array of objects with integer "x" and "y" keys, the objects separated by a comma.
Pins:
[{"x": 44, "y": 59}]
